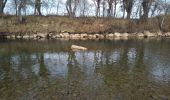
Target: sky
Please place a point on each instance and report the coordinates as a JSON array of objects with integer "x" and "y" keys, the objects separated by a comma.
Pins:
[{"x": 52, "y": 9}]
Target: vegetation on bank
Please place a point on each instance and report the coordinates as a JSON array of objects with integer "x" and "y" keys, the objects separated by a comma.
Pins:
[
  {"x": 109, "y": 16},
  {"x": 57, "y": 24}
]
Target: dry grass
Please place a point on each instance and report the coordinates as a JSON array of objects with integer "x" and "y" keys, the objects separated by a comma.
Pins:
[{"x": 56, "y": 24}]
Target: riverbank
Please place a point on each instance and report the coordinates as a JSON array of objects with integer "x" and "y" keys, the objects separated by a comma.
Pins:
[
  {"x": 84, "y": 36},
  {"x": 59, "y": 27}
]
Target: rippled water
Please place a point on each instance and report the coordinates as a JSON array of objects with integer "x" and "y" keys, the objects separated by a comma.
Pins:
[{"x": 109, "y": 70}]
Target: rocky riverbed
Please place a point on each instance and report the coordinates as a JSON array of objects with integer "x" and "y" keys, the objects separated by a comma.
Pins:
[{"x": 73, "y": 36}]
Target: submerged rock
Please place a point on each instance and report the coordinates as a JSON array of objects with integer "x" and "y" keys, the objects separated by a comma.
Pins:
[{"x": 76, "y": 47}]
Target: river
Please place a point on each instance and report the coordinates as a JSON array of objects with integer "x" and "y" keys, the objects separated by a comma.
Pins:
[{"x": 133, "y": 69}]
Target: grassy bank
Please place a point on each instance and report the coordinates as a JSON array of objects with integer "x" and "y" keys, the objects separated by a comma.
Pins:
[{"x": 56, "y": 24}]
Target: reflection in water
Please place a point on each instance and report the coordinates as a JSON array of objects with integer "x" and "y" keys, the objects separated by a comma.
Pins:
[
  {"x": 111, "y": 70},
  {"x": 56, "y": 64}
]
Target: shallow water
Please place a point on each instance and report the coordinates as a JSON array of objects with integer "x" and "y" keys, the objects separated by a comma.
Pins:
[{"x": 131, "y": 69}]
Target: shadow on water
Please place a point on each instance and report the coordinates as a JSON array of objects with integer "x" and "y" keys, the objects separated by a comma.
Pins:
[{"x": 108, "y": 70}]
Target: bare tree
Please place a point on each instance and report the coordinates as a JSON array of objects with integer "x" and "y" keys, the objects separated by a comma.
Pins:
[
  {"x": 128, "y": 5},
  {"x": 83, "y": 7},
  {"x": 137, "y": 13},
  {"x": 71, "y": 6},
  {"x": 15, "y": 4},
  {"x": 37, "y": 10},
  {"x": 21, "y": 7},
  {"x": 97, "y": 5},
  {"x": 115, "y": 7},
  {"x": 154, "y": 8},
  {"x": 110, "y": 7},
  {"x": 146, "y": 5},
  {"x": 166, "y": 7},
  {"x": 104, "y": 7},
  {"x": 2, "y": 6},
  {"x": 58, "y": 5}
]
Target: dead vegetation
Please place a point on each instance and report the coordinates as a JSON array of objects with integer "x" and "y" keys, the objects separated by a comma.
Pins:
[{"x": 56, "y": 24}]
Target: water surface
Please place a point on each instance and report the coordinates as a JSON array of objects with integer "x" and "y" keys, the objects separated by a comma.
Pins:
[{"x": 109, "y": 70}]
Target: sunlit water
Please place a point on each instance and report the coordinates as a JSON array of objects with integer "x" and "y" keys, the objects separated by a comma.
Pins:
[{"x": 109, "y": 70}]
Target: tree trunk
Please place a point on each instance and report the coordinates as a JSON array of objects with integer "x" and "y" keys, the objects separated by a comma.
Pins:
[
  {"x": 2, "y": 6},
  {"x": 16, "y": 9},
  {"x": 71, "y": 10},
  {"x": 115, "y": 8},
  {"x": 1, "y": 11},
  {"x": 146, "y": 7},
  {"x": 104, "y": 8},
  {"x": 110, "y": 8},
  {"x": 109, "y": 11},
  {"x": 37, "y": 10},
  {"x": 16, "y": 12},
  {"x": 123, "y": 13},
  {"x": 128, "y": 15},
  {"x": 98, "y": 8},
  {"x": 19, "y": 14},
  {"x": 128, "y": 5},
  {"x": 97, "y": 12},
  {"x": 58, "y": 4}
]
